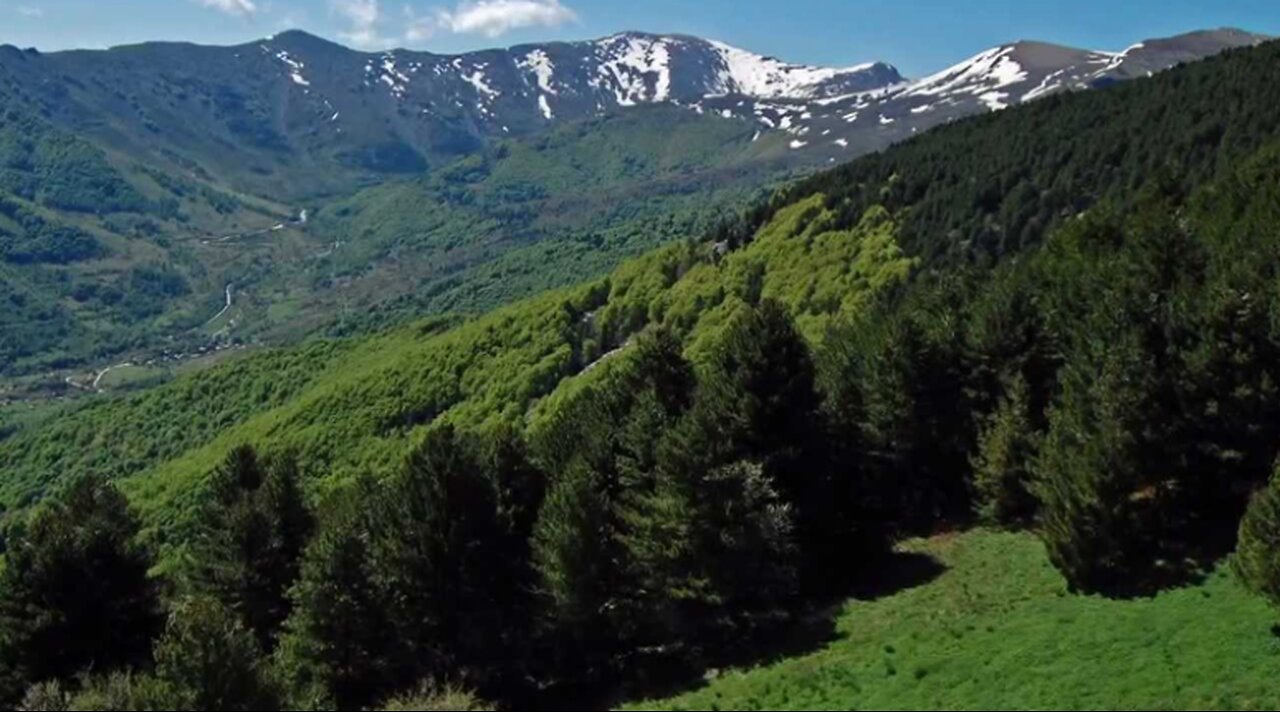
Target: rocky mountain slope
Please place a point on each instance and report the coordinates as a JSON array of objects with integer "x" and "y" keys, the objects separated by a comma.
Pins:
[{"x": 296, "y": 115}]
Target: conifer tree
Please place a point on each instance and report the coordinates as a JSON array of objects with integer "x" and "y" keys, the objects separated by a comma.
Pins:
[
  {"x": 253, "y": 533},
  {"x": 1096, "y": 499},
  {"x": 339, "y": 645},
  {"x": 1002, "y": 465},
  {"x": 74, "y": 591},
  {"x": 1257, "y": 558},
  {"x": 208, "y": 660},
  {"x": 758, "y": 403}
]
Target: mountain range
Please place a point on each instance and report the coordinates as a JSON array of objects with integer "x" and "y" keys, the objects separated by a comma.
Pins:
[
  {"x": 150, "y": 195},
  {"x": 262, "y": 112}
]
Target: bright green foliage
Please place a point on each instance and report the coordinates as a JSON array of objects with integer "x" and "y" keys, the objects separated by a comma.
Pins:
[
  {"x": 434, "y": 697},
  {"x": 164, "y": 423},
  {"x": 209, "y": 660},
  {"x": 1257, "y": 557},
  {"x": 821, "y": 273},
  {"x": 119, "y": 691},
  {"x": 721, "y": 434},
  {"x": 74, "y": 591}
]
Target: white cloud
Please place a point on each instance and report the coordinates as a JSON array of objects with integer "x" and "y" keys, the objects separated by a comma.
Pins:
[
  {"x": 494, "y": 18},
  {"x": 232, "y": 7},
  {"x": 418, "y": 28},
  {"x": 363, "y": 16},
  {"x": 29, "y": 11}
]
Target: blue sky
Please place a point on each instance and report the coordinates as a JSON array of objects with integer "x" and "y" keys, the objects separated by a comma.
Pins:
[{"x": 919, "y": 36}]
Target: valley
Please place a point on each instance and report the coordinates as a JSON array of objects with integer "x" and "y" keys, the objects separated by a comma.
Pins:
[{"x": 219, "y": 153}]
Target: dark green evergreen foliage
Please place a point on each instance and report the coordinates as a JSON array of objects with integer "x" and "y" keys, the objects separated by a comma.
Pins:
[
  {"x": 602, "y": 450},
  {"x": 1113, "y": 386},
  {"x": 573, "y": 551},
  {"x": 451, "y": 549},
  {"x": 1257, "y": 557},
  {"x": 74, "y": 591},
  {"x": 758, "y": 402},
  {"x": 992, "y": 186},
  {"x": 426, "y": 577},
  {"x": 897, "y": 383},
  {"x": 1096, "y": 501},
  {"x": 42, "y": 241},
  {"x": 339, "y": 643},
  {"x": 208, "y": 660},
  {"x": 1006, "y": 447},
  {"x": 660, "y": 542},
  {"x": 249, "y": 549}
]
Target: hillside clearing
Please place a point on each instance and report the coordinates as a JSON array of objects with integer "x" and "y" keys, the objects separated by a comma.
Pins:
[{"x": 999, "y": 630}]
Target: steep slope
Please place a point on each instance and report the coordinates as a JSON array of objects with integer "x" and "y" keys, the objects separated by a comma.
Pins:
[
  {"x": 836, "y": 128},
  {"x": 825, "y": 249}
]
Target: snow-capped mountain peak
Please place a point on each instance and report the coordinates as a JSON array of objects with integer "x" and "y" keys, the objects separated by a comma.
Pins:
[
  {"x": 401, "y": 110},
  {"x": 761, "y": 77}
]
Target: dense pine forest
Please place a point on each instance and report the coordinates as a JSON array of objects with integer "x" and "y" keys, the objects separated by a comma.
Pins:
[{"x": 1062, "y": 318}]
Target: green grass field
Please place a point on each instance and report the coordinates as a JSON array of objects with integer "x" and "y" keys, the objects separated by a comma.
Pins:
[{"x": 997, "y": 629}]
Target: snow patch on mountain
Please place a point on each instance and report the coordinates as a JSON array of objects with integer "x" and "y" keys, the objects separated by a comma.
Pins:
[
  {"x": 539, "y": 63},
  {"x": 768, "y": 78},
  {"x": 295, "y": 68},
  {"x": 983, "y": 74},
  {"x": 629, "y": 62},
  {"x": 477, "y": 79}
]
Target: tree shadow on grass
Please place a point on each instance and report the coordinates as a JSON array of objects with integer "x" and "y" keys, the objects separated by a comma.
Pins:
[
  {"x": 1184, "y": 557},
  {"x": 896, "y": 572},
  {"x": 811, "y": 628}
]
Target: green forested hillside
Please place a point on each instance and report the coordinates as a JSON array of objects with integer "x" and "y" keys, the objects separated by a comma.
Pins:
[
  {"x": 515, "y": 220},
  {"x": 98, "y": 253},
  {"x": 500, "y": 225},
  {"x": 623, "y": 483}
]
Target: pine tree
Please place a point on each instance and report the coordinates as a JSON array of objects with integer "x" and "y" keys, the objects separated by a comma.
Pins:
[
  {"x": 455, "y": 562},
  {"x": 1002, "y": 465},
  {"x": 1096, "y": 497},
  {"x": 251, "y": 540},
  {"x": 210, "y": 661},
  {"x": 758, "y": 402},
  {"x": 610, "y": 528},
  {"x": 74, "y": 591},
  {"x": 1257, "y": 558},
  {"x": 339, "y": 645},
  {"x": 575, "y": 555}
]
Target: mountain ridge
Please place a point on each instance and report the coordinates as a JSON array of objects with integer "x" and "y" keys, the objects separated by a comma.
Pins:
[{"x": 262, "y": 113}]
